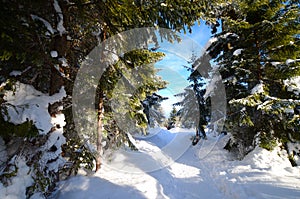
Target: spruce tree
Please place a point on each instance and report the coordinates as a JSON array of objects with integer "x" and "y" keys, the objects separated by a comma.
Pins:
[
  {"x": 153, "y": 110},
  {"x": 257, "y": 51},
  {"x": 189, "y": 109},
  {"x": 173, "y": 118}
]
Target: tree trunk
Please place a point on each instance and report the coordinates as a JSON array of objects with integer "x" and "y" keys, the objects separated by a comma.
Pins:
[
  {"x": 99, "y": 131},
  {"x": 100, "y": 115}
]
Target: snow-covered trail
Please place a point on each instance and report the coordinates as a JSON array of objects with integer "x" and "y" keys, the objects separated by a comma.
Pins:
[{"x": 157, "y": 171}]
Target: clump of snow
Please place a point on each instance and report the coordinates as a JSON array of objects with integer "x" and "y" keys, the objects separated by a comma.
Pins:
[
  {"x": 54, "y": 53},
  {"x": 237, "y": 52},
  {"x": 63, "y": 61},
  {"x": 52, "y": 158},
  {"x": 229, "y": 34},
  {"x": 261, "y": 158},
  {"x": 15, "y": 73},
  {"x": 26, "y": 103},
  {"x": 209, "y": 42},
  {"x": 60, "y": 26},
  {"x": 17, "y": 187},
  {"x": 289, "y": 61},
  {"x": 275, "y": 63},
  {"x": 294, "y": 149},
  {"x": 259, "y": 88},
  {"x": 293, "y": 85},
  {"x": 46, "y": 23}
]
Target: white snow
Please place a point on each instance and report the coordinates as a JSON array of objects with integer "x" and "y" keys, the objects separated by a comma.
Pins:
[
  {"x": 209, "y": 42},
  {"x": 46, "y": 23},
  {"x": 294, "y": 147},
  {"x": 26, "y": 103},
  {"x": 15, "y": 73},
  {"x": 276, "y": 63},
  {"x": 259, "y": 88},
  {"x": 203, "y": 171},
  {"x": 17, "y": 187},
  {"x": 56, "y": 139},
  {"x": 63, "y": 61},
  {"x": 54, "y": 53},
  {"x": 60, "y": 26},
  {"x": 237, "y": 52},
  {"x": 289, "y": 61},
  {"x": 293, "y": 85}
]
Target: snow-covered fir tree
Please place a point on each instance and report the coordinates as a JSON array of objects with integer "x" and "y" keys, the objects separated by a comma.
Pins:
[
  {"x": 195, "y": 108},
  {"x": 173, "y": 118},
  {"x": 153, "y": 109},
  {"x": 258, "y": 53}
]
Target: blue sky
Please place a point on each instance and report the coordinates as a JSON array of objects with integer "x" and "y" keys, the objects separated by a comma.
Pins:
[{"x": 177, "y": 55}]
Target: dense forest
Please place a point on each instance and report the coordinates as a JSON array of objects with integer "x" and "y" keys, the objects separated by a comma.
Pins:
[{"x": 44, "y": 45}]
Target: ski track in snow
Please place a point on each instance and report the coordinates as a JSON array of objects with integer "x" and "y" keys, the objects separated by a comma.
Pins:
[{"x": 203, "y": 171}]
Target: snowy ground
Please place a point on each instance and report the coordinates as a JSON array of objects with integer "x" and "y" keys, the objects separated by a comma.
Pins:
[{"x": 167, "y": 166}]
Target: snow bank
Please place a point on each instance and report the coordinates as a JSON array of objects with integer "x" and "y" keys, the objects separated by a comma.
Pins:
[{"x": 275, "y": 160}]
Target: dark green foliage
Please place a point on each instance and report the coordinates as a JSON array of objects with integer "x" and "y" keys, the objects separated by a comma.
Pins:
[
  {"x": 152, "y": 109},
  {"x": 76, "y": 149},
  {"x": 259, "y": 47},
  {"x": 195, "y": 108},
  {"x": 173, "y": 118},
  {"x": 24, "y": 130},
  {"x": 267, "y": 142},
  {"x": 122, "y": 88}
]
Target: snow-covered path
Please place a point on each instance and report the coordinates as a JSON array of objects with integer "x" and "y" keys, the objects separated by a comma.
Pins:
[{"x": 168, "y": 167}]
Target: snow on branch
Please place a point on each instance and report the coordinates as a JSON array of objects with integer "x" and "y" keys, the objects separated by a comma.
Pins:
[
  {"x": 60, "y": 25},
  {"x": 293, "y": 85},
  {"x": 46, "y": 23}
]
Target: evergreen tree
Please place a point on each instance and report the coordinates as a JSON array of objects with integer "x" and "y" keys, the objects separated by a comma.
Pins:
[
  {"x": 46, "y": 41},
  {"x": 189, "y": 111},
  {"x": 257, "y": 51},
  {"x": 121, "y": 89},
  {"x": 173, "y": 118},
  {"x": 152, "y": 109},
  {"x": 195, "y": 106}
]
